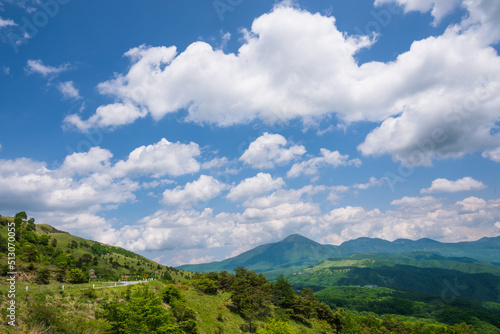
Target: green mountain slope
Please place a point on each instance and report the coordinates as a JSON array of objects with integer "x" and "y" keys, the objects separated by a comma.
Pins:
[
  {"x": 286, "y": 256},
  {"x": 42, "y": 247},
  {"x": 297, "y": 252}
]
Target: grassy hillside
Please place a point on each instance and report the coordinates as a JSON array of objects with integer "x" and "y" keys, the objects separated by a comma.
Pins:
[{"x": 41, "y": 247}]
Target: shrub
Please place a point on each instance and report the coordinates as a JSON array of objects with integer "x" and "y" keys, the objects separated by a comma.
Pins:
[
  {"x": 42, "y": 276},
  {"x": 76, "y": 276}
]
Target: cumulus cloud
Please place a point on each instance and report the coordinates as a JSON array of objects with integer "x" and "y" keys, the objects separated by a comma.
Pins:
[
  {"x": 413, "y": 218},
  {"x": 407, "y": 201},
  {"x": 492, "y": 154},
  {"x": 468, "y": 220},
  {"x": 160, "y": 159},
  {"x": 472, "y": 204},
  {"x": 73, "y": 195},
  {"x": 446, "y": 186},
  {"x": 438, "y": 8},
  {"x": 201, "y": 190},
  {"x": 108, "y": 116},
  {"x": 424, "y": 99},
  {"x": 95, "y": 160},
  {"x": 269, "y": 150},
  {"x": 30, "y": 184},
  {"x": 37, "y": 66},
  {"x": 327, "y": 158},
  {"x": 255, "y": 186},
  {"x": 68, "y": 90}
]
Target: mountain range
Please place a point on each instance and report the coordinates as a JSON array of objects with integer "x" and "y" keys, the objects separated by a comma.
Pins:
[{"x": 296, "y": 252}]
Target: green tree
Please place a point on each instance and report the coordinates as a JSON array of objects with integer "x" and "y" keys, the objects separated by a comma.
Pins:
[
  {"x": 251, "y": 295},
  {"x": 43, "y": 276},
  {"x": 143, "y": 313},
  {"x": 206, "y": 285},
  {"x": 54, "y": 242},
  {"x": 276, "y": 327},
  {"x": 76, "y": 276},
  {"x": 171, "y": 293},
  {"x": 43, "y": 239},
  {"x": 283, "y": 293},
  {"x": 31, "y": 237},
  {"x": 30, "y": 252}
]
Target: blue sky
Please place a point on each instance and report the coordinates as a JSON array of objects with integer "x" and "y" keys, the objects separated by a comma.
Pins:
[{"x": 192, "y": 133}]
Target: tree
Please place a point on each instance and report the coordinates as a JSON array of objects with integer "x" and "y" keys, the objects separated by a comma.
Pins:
[
  {"x": 76, "y": 276},
  {"x": 30, "y": 252},
  {"x": 206, "y": 285},
  {"x": 43, "y": 239},
  {"x": 276, "y": 327},
  {"x": 143, "y": 313},
  {"x": 86, "y": 258},
  {"x": 43, "y": 276},
  {"x": 251, "y": 295},
  {"x": 54, "y": 242},
  {"x": 30, "y": 226},
  {"x": 283, "y": 293},
  {"x": 31, "y": 237}
]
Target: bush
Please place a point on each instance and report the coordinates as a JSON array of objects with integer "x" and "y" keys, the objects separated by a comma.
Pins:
[
  {"x": 43, "y": 276},
  {"x": 76, "y": 276},
  {"x": 276, "y": 327},
  {"x": 206, "y": 285},
  {"x": 171, "y": 293}
]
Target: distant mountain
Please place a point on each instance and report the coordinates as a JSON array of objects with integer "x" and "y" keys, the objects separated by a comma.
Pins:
[
  {"x": 296, "y": 252},
  {"x": 484, "y": 249},
  {"x": 286, "y": 256}
]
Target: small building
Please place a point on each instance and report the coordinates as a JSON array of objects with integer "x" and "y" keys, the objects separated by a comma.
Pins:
[{"x": 92, "y": 273}]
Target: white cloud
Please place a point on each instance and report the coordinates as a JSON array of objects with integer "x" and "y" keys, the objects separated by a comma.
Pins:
[
  {"x": 215, "y": 163},
  {"x": 492, "y": 154},
  {"x": 438, "y": 8},
  {"x": 472, "y": 204},
  {"x": 6, "y": 23},
  {"x": 424, "y": 98},
  {"x": 69, "y": 90},
  {"x": 373, "y": 182},
  {"x": 327, "y": 158},
  {"x": 95, "y": 160},
  {"x": 283, "y": 196},
  {"x": 108, "y": 116},
  {"x": 160, "y": 159},
  {"x": 269, "y": 150},
  {"x": 443, "y": 186},
  {"x": 255, "y": 186},
  {"x": 281, "y": 72},
  {"x": 407, "y": 201},
  {"x": 201, "y": 190},
  {"x": 37, "y": 66},
  {"x": 468, "y": 220},
  {"x": 156, "y": 183},
  {"x": 29, "y": 184}
]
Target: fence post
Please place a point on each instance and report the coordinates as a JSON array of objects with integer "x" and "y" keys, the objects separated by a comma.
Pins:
[
  {"x": 93, "y": 286},
  {"x": 63, "y": 288},
  {"x": 26, "y": 288}
]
